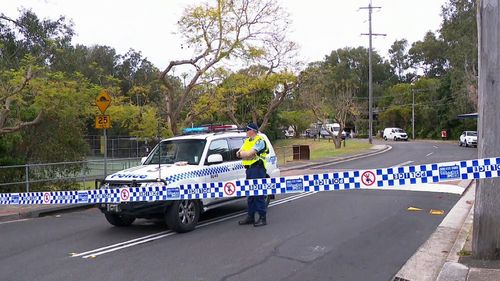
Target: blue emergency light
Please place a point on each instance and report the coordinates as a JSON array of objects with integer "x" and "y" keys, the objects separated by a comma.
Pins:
[
  {"x": 209, "y": 128},
  {"x": 195, "y": 130}
]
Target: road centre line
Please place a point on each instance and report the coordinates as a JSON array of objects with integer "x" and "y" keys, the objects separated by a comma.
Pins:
[
  {"x": 141, "y": 240},
  {"x": 121, "y": 243}
]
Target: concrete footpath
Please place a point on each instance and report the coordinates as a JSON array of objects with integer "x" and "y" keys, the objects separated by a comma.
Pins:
[
  {"x": 13, "y": 212},
  {"x": 441, "y": 256}
]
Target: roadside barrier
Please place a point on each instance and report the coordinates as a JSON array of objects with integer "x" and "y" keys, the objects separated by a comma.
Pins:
[{"x": 362, "y": 179}]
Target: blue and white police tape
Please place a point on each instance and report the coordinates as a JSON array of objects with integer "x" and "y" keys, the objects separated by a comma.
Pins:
[{"x": 362, "y": 179}]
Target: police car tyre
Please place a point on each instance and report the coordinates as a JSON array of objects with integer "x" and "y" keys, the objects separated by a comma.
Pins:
[
  {"x": 183, "y": 215},
  {"x": 119, "y": 220}
]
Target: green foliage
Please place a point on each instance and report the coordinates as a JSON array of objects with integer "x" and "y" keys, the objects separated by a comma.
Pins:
[
  {"x": 141, "y": 122},
  {"x": 299, "y": 120}
]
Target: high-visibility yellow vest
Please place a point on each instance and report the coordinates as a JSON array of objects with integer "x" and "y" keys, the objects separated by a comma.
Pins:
[{"x": 248, "y": 146}]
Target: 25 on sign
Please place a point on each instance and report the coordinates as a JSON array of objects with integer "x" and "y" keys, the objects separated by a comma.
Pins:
[{"x": 102, "y": 122}]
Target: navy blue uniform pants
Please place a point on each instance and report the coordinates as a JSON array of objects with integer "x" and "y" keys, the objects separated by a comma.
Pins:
[{"x": 256, "y": 204}]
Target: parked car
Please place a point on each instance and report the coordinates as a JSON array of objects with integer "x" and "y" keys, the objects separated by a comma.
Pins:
[
  {"x": 199, "y": 157},
  {"x": 468, "y": 138},
  {"x": 395, "y": 134}
]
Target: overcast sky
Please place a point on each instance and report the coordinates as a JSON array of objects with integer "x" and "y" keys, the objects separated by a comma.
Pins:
[{"x": 318, "y": 26}]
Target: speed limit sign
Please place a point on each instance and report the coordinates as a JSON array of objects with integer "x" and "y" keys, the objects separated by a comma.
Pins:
[{"x": 102, "y": 122}]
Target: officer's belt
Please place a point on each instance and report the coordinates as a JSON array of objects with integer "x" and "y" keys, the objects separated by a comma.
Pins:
[{"x": 259, "y": 163}]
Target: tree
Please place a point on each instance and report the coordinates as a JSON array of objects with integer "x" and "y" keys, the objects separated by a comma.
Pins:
[
  {"x": 237, "y": 30},
  {"x": 251, "y": 94},
  {"x": 459, "y": 32},
  {"x": 429, "y": 55},
  {"x": 328, "y": 97},
  {"x": 13, "y": 86},
  {"x": 29, "y": 35},
  {"x": 398, "y": 57},
  {"x": 299, "y": 120}
]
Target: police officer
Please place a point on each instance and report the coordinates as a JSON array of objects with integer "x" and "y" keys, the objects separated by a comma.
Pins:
[{"x": 253, "y": 152}]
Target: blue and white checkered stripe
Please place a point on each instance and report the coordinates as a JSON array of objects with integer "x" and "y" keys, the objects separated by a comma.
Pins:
[
  {"x": 103, "y": 196},
  {"x": 203, "y": 173},
  {"x": 64, "y": 197},
  {"x": 480, "y": 168},
  {"x": 152, "y": 193},
  {"x": 202, "y": 190},
  {"x": 31, "y": 198},
  {"x": 5, "y": 198},
  {"x": 378, "y": 178}
]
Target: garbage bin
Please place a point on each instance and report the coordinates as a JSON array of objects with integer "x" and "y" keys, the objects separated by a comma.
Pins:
[{"x": 301, "y": 152}]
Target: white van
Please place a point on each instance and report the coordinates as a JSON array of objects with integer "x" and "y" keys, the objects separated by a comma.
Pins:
[
  {"x": 395, "y": 134},
  {"x": 332, "y": 127}
]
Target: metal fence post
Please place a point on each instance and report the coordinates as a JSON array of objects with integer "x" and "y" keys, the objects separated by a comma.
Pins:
[{"x": 27, "y": 178}]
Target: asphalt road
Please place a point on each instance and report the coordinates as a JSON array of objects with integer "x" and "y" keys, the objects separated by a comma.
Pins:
[{"x": 342, "y": 235}]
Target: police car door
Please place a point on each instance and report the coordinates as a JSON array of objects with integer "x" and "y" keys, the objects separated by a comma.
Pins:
[
  {"x": 235, "y": 143},
  {"x": 220, "y": 171}
]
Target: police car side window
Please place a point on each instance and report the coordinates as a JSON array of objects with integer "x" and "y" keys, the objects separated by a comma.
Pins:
[
  {"x": 234, "y": 145},
  {"x": 219, "y": 147}
]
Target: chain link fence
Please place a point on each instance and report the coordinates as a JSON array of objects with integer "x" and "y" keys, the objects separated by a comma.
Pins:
[
  {"x": 59, "y": 176},
  {"x": 119, "y": 146}
]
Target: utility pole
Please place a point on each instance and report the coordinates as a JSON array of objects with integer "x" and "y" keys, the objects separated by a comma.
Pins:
[
  {"x": 413, "y": 115},
  {"x": 413, "y": 91},
  {"x": 370, "y": 78},
  {"x": 486, "y": 228}
]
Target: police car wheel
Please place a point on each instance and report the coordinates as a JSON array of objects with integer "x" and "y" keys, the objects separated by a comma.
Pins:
[
  {"x": 119, "y": 220},
  {"x": 183, "y": 215}
]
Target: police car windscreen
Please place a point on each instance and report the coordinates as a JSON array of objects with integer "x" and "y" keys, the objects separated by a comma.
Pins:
[{"x": 170, "y": 152}]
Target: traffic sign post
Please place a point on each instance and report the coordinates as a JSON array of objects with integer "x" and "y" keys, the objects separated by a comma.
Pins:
[{"x": 103, "y": 100}]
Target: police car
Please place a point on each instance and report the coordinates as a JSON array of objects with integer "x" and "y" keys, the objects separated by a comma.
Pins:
[{"x": 201, "y": 155}]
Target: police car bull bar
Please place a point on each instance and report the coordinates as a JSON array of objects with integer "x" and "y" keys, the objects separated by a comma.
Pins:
[{"x": 394, "y": 177}]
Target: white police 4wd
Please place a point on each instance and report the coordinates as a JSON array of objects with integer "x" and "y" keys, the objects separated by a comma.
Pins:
[{"x": 187, "y": 159}]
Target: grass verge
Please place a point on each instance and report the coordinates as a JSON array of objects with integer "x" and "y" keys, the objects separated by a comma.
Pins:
[{"x": 323, "y": 148}]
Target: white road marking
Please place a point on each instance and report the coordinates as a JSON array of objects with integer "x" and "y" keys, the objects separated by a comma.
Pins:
[
  {"x": 6, "y": 222},
  {"x": 141, "y": 240},
  {"x": 429, "y": 154},
  {"x": 402, "y": 164},
  {"x": 435, "y": 146},
  {"x": 120, "y": 244}
]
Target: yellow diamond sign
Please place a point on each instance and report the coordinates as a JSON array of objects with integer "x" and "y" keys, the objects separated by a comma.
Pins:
[{"x": 103, "y": 101}]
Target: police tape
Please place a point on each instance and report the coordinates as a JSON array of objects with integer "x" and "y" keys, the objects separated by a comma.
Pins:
[{"x": 362, "y": 179}]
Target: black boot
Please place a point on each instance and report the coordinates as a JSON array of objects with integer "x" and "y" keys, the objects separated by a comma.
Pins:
[
  {"x": 247, "y": 220},
  {"x": 261, "y": 221}
]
